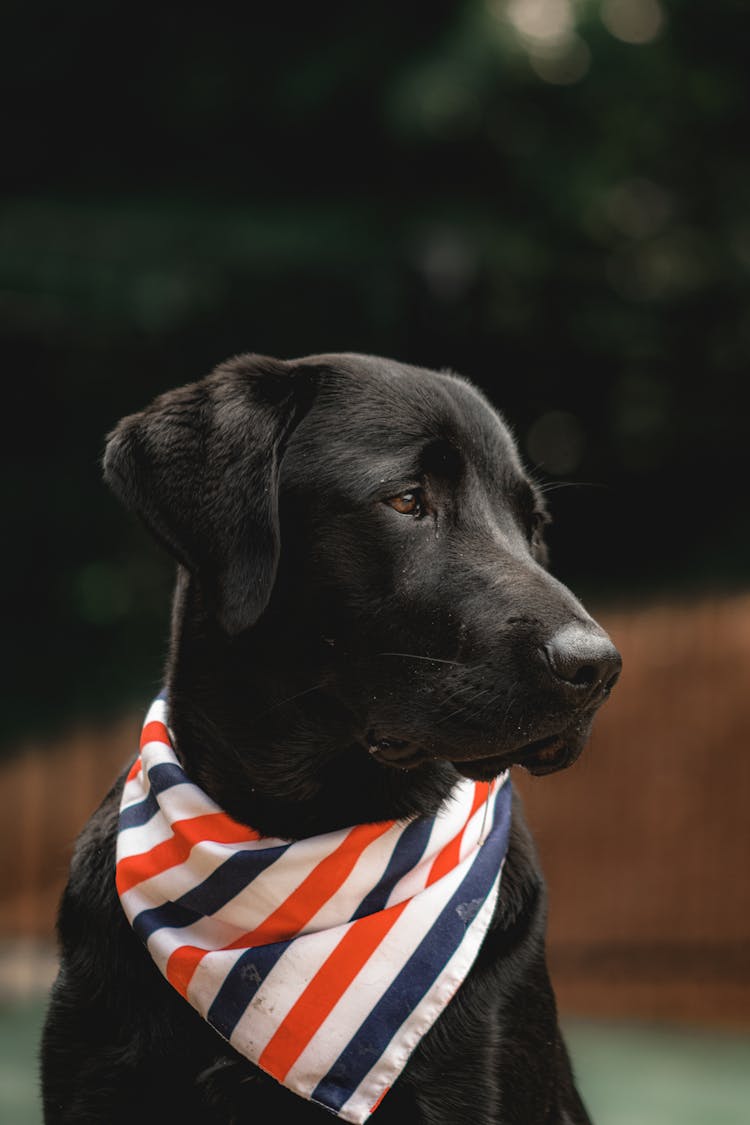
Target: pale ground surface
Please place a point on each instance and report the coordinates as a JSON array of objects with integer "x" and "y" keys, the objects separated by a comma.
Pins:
[{"x": 628, "y": 1074}]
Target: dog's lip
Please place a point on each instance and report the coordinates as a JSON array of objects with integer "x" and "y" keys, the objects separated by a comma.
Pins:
[
  {"x": 547, "y": 755},
  {"x": 542, "y": 756}
]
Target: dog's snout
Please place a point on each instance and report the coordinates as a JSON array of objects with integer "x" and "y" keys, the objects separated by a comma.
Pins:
[{"x": 583, "y": 659}]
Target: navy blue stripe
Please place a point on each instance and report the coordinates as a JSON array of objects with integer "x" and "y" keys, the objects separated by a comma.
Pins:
[
  {"x": 166, "y": 774},
  {"x": 405, "y": 856},
  {"x": 161, "y": 776},
  {"x": 233, "y": 876},
  {"x": 241, "y": 984},
  {"x": 234, "y": 995},
  {"x": 171, "y": 914},
  {"x": 422, "y": 968},
  {"x": 137, "y": 815}
]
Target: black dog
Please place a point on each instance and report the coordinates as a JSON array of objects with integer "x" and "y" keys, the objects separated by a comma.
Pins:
[{"x": 362, "y": 614}]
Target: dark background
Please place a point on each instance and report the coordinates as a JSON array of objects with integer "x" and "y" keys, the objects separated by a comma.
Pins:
[{"x": 536, "y": 201}]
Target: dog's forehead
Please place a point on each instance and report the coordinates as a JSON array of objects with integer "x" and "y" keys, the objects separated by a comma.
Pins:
[{"x": 375, "y": 417}]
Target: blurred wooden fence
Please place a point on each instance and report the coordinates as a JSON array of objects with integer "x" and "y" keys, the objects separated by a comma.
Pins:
[
  {"x": 46, "y": 795},
  {"x": 645, "y": 843}
]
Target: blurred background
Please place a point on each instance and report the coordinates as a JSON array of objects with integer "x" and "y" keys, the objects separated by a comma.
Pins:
[{"x": 549, "y": 196}]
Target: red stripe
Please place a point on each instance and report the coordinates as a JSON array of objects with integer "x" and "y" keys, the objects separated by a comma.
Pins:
[
  {"x": 134, "y": 770},
  {"x": 325, "y": 990},
  {"x": 448, "y": 858},
  {"x": 295, "y": 912},
  {"x": 377, "y": 1103},
  {"x": 155, "y": 732},
  {"x": 342, "y": 965},
  {"x": 216, "y": 827}
]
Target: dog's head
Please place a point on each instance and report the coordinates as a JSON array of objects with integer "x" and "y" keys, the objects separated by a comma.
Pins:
[{"x": 364, "y": 570}]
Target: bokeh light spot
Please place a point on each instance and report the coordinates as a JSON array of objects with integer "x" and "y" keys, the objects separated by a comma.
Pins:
[
  {"x": 633, "y": 21},
  {"x": 448, "y": 263},
  {"x": 638, "y": 207},
  {"x": 542, "y": 21}
]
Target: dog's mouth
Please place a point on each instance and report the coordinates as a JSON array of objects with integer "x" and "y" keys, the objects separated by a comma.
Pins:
[{"x": 543, "y": 756}]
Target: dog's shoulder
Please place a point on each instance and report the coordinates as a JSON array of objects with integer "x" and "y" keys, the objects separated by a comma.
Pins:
[
  {"x": 93, "y": 934},
  {"x": 91, "y": 893}
]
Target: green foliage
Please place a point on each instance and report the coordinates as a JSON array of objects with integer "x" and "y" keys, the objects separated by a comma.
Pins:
[{"x": 512, "y": 189}]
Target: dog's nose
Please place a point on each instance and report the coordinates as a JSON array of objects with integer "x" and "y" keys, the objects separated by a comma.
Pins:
[{"x": 583, "y": 659}]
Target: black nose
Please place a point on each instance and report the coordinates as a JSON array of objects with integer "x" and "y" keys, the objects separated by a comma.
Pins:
[{"x": 584, "y": 659}]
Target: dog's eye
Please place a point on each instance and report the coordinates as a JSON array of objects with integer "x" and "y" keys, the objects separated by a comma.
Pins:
[{"x": 408, "y": 503}]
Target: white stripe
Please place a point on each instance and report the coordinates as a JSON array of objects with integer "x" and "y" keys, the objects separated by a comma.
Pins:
[
  {"x": 257, "y": 901},
  {"x": 207, "y": 934},
  {"x": 445, "y": 829},
  {"x": 367, "y": 871},
  {"x": 479, "y": 825},
  {"x": 176, "y": 801},
  {"x": 209, "y": 977},
  {"x": 281, "y": 989},
  {"x": 273, "y": 886},
  {"x": 140, "y": 838},
  {"x": 416, "y": 877},
  {"x": 156, "y": 753},
  {"x": 132, "y": 790},
  {"x": 395, "y": 1056},
  {"x": 373, "y": 980},
  {"x": 174, "y": 882},
  {"x": 157, "y": 712}
]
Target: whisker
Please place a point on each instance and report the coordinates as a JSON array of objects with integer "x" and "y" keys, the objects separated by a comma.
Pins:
[
  {"x": 487, "y": 703},
  {"x": 511, "y": 701},
  {"x": 458, "y": 690},
  {"x": 464, "y": 706},
  {"x": 414, "y": 656},
  {"x": 554, "y": 485},
  {"x": 452, "y": 695}
]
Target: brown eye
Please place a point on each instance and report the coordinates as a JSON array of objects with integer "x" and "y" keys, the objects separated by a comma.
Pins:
[{"x": 408, "y": 503}]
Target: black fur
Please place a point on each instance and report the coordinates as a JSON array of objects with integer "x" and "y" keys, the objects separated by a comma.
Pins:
[{"x": 335, "y": 660}]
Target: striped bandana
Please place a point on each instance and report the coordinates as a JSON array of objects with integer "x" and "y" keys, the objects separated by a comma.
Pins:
[{"x": 325, "y": 960}]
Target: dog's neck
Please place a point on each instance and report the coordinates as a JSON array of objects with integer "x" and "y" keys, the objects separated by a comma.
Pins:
[{"x": 259, "y": 726}]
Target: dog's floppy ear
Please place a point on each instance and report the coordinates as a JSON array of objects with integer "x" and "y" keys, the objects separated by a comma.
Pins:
[{"x": 200, "y": 466}]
